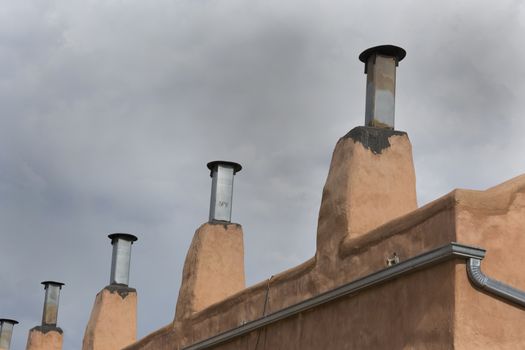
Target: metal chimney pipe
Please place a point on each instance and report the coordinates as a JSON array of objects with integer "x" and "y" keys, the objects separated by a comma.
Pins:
[
  {"x": 222, "y": 173},
  {"x": 121, "y": 257},
  {"x": 50, "y": 314},
  {"x": 6, "y": 331},
  {"x": 380, "y": 68}
]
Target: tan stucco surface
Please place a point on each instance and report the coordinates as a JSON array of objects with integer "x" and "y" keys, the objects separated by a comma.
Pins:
[
  {"x": 363, "y": 191},
  {"x": 434, "y": 308},
  {"x": 214, "y": 268},
  {"x": 37, "y": 340},
  {"x": 408, "y": 313},
  {"x": 113, "y": 321},
  {"x": 495, "y": 220}
]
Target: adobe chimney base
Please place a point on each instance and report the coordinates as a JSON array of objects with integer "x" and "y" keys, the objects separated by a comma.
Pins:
[
  {"x": 44, "y": 338},
  {"x": 113, "y": 321},
  {"x": 213, "y": 269},
  {"x": 370, "y": 182}
]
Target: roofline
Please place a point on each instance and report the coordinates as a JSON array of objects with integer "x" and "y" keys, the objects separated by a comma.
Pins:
[{"x": 425, "y": 260}]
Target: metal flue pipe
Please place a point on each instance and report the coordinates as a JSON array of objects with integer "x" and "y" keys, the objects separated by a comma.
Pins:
[
  {"x": 380, "y": 68},
  {"x": 6, "y": 332},
  {"x": 121, "y": 258},
  {"x": 51, "y": 300},
  {"x": 222, "y": 173}
]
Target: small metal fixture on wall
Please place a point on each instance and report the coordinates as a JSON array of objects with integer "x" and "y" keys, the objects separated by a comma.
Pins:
[
  {"x": 121, "y": 257},
  {"x": 392, "y": 260},
  {"x": 222, "y": 173}
]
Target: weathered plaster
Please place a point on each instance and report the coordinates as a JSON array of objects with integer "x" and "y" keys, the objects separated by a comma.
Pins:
[
  {"x": 360, "y": 226},
  {"x": 44, "y": 339},
  {"x": 214, "y": 268},
  {"x": 370, "y": 182},
  {"x": 495, "y": 220},
  {"x": 113, "y": 321}
]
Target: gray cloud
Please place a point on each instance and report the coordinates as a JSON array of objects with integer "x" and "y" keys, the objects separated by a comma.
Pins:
[{"x": 111, "y": 109}]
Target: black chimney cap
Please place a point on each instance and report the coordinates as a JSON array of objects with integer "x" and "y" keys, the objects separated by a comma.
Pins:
[
  {"x": 386, "y": 50},
  {"x": 236, "y": 166}
]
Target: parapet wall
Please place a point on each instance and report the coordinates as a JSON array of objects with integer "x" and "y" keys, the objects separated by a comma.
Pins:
[{"x": 433, "y": 308}]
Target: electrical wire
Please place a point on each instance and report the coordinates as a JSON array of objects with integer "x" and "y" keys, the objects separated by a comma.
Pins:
[{"x": 266, "y": 298}]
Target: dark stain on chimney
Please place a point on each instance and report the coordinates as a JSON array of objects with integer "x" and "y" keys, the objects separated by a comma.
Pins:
[
  {"x": 225, "y": 224},
  {"x": 122, "y": 290},
  {"x": 47, "y": 328},
  {"x": 374, "y": 139}
]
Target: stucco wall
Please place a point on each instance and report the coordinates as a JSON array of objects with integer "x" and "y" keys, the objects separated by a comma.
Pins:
[
  {"x": 113, "y": 321},
  {"x": 495, "y": 220},
  {"x": 435, "y": 308},
  {"x": 214, "y": 268},
  {"x": 412, "y": 312},
  {"x": 44, "y": 340}
]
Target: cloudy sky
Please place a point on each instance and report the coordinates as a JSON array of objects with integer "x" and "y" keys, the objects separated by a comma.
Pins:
[{"x": 110, "y": 110}]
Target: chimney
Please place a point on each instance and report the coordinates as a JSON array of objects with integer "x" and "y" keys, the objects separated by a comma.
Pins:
[
  {"x": 371, "y": 179},
  {"x": 6, "y": 331},
  {"x": 51, "y": 300},
  {"x": 113, "y": 320},
  {"x": 380, "y": 68},
  {"x": 121, "y": 258},
  {"x": 214, "y": 265},
  {"x": 222, "y": 173},
  {"x": 48, "y": 335}
]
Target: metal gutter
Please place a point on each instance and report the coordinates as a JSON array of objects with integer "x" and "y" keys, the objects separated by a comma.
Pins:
[
  {"x": 447, "y": 252},
  {"x": 482, "y": 281}
]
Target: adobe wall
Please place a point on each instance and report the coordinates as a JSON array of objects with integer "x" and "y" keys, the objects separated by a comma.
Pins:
[
  {"x": 214, "y": 268},
  {"x": 371, "y": 181},
  {"x": 435, "y": 308},
  {"x": 408, "y": 313},
  {"x": 495, "y": 220},
  {"x": 339, "y": 222},
  {"x": 422, "y": 230},
  {"x": 40, "y": 338},
  {"x": 113, "y": 321}
]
